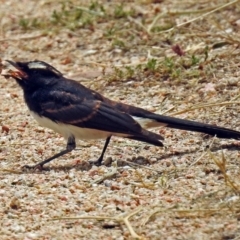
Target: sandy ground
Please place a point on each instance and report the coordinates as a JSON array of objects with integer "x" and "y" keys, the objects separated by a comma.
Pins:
[{"x": 169, "y": 57}]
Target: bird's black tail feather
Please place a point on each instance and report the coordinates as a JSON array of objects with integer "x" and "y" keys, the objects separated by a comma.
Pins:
[
  {"x": 188, "y": 125},
  {"x": 149, "y": 137}
]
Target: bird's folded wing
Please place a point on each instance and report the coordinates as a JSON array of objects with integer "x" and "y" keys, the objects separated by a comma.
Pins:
[{"x": 90, "y": 114}]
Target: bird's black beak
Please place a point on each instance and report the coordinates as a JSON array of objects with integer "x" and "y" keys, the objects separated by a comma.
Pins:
[{"x": 12, "y": 69}]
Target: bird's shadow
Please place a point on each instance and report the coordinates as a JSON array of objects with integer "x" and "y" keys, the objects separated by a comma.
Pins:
[
  {"x": 230, "y": 147},
  {"x": 85, "y": 165}
]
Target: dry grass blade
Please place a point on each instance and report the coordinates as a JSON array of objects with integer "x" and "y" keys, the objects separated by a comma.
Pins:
[
  {"x": 189, "y": 213},
  {"x": 204, "y": 153},
  {"x": 10, "y": 171},
  {"x": 142, "y": 183},
  {"x": 138, "y": 24},
  {"x": 108, "y": 175},
  {"x": 121, "y": 218},
  {"x": 121, "y": 49},
  {"x": 198, "y": 159},
  {"x": 151, "y": 26},
  {"x": 222, "y": 166},
  {"x": 141, "y": 166},
  {"x": 90, "y": 11},
  {"x": 202, "y": 16},
  {"x": 23, "y": 38},
  {"x": 204, "y": 106}
]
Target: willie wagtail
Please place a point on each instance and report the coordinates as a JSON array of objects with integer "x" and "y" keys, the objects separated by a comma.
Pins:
[{"x": 75, "y": 111}]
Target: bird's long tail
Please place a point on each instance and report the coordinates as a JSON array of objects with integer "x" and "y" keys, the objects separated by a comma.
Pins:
[{"x": 188, "y": 125}]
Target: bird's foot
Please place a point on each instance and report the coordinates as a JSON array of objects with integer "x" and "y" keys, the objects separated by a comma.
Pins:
[
  {"x": 34, "y": 168},
  {"x": 99, "y": 162},
  {"x": 95, "y": 162}
]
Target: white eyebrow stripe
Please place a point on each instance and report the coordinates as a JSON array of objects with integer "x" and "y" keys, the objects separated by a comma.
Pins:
[
  {"x": 36, "y": 65},
  {"x": 42, "y": 65}
]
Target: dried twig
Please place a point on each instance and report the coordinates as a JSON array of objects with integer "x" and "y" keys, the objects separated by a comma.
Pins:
[
  {"x": 203, "y": 154},
  {"x": 199, "y": 17},
  {"x": 108, "y": 175},
  {"x": 10, "y": 171},
  {"x": 188, "y": 212},
  {"x": 204, "y": 106},
  {"x": 141, "y": 166},
  {"x": 20, "y": 38},
  {"x": 222, "y": 166},
  {"x": 120, "y": 218},
  {"x": 172, "y": 12}
]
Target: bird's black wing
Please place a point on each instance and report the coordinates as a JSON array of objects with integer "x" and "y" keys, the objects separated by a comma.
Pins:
[{"x": 68, "y": 108}]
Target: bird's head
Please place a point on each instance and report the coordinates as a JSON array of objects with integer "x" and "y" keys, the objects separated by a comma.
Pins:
[{"x": 33, "y": 74}]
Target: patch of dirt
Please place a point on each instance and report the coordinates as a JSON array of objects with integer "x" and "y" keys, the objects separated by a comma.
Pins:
[{"x": 171, "y": 57}]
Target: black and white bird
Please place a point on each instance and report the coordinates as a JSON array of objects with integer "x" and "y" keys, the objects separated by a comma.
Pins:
[{"x": 77, "y": 112}]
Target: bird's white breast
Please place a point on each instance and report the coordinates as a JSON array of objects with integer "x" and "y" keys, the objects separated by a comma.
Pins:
[{"x": 67, "y": 130}]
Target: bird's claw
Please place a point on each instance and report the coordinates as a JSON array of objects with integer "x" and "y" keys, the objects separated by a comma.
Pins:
[{"x": 34, "y": 168}]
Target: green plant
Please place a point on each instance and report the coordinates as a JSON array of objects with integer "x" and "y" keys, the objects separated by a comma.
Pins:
[
  {"x": 169, "y": 63},
  {"x": 195, "y": 60},
  {"x": 129, "y": 71},
  {"x": 119, "y": 12},
  {"x": 151, "y": 64},
  {"x": 118, "y": 43},
  {"x": 24, "y": 23}
]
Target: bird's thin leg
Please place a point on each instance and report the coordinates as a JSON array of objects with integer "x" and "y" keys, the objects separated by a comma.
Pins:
[
  {"x": 71, "y": 144},
  {"x": 99, "y": 161}
]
